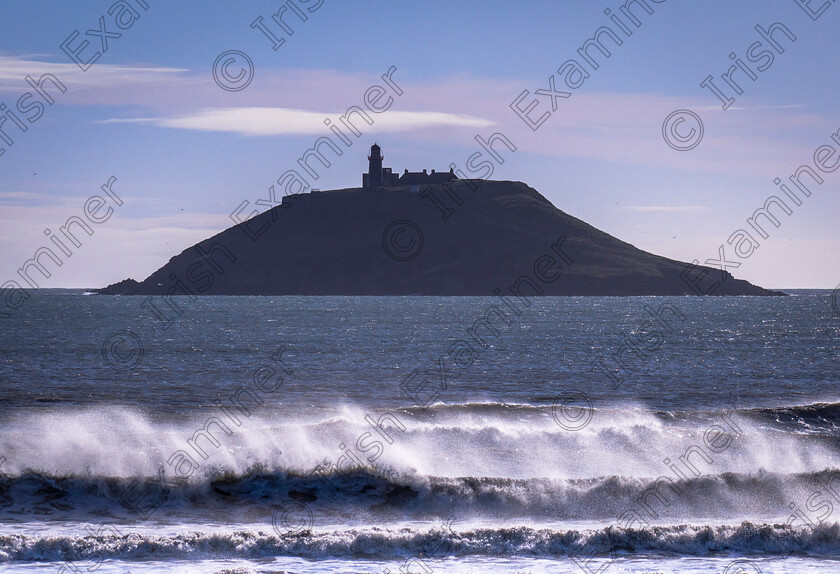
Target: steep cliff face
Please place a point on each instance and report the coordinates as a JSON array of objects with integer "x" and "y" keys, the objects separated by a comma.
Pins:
[{"x": 408, "y": 241}]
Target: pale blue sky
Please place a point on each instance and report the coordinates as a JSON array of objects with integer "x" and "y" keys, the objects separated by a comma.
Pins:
[{"x": 186, "y": 153}]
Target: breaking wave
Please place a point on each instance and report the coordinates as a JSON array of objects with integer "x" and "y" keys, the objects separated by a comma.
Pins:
[
  {"x": 476, "y": 460},
  {"x": 387, "y": 495},
  {"x": 395, "y": 544}
]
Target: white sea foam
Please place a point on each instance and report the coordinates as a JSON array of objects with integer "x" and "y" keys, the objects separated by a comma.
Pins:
[{"x": 508, "y": 441}]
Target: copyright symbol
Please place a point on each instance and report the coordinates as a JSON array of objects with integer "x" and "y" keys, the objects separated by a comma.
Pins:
[
  {"x": 291, "y": 518},
  {"x": 227, "y": 80},
  {"x": 402, "y": 240},
  {"x": 682, "y": 138},
  {"x": 122, "y": 350},
  {"x": 742, "y": 566},
  {"x": 835, "y": 300},
  {"x": 572, "y": 411}
]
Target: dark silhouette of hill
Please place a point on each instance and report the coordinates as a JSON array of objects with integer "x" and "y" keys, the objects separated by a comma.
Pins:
[{"x": 503, "y": 235}]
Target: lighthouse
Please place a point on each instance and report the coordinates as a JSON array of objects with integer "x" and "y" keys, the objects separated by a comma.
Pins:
[{"x": 375, "y": 166}]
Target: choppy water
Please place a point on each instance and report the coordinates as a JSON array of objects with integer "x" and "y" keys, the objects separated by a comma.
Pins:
[{"x": 359, "y": 434}]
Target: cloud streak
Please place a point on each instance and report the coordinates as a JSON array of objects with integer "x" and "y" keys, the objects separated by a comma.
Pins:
[
  {"x": 13, "y": 71},
  {"x": 265, "y": 121},
  {"x": 666, "y": 208}
]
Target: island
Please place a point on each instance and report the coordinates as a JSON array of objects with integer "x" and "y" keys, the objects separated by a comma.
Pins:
[{"x": 424, "y": 233}]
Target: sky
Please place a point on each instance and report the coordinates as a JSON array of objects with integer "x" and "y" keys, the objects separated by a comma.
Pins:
[{"x": 187, "y": 147}]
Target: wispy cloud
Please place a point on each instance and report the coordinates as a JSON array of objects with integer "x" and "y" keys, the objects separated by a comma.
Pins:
[
  {"x": 21, "y": 195},
  {"x": 35, "y": 200},
  {"x": 761, "y": 108},
  {"x": 666, "y": 208},
  {"x": 264, "y": 121},
  {"x": 14, "y": 69}
]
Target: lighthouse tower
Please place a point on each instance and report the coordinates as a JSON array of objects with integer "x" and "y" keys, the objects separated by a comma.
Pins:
[{"x": 375, "y": 167}]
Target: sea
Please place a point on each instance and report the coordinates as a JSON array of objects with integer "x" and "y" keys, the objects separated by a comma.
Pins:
[{"x": 303, "y": 435}]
